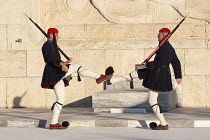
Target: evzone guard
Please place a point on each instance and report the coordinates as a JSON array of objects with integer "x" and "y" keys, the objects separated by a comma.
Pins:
[
  {"x": 156, "y": 76},
  {"x": 57, "y": 74}
]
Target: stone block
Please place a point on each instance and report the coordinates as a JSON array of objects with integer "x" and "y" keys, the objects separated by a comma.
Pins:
[
  {"x": 20, "y": 123},
  {"x": 11, "y": 12},
  {"x": 198, "y": 9},
  {"x": 188, "y": 43},
  {"x": 169, "y": 99},
  {"x": 208, "y": 33},
  {"x": 13, "y": 64},
  {"x": 16, "y": 89},
  {"x": 111, "y": 123},
  {"x": 120, "y": 98},
  {"x": 75, "y": 93},
  {"x": 141, "y": 11},
  {"x": 92, "y": 60},
  {"x": 35, "y": 96},
  {"x": 35, "y": 13},
  {"x": 144, "y": 31},
  {"x": 196, "y": 63},
  {"x": 35, "y": 63},
  {"x": 71, "y": 45},
  {"x": 91, "y": 87},
  {"x": 181, "y": 123},
  {"x": 41, "y": 123},
  {"x": 123, "y": 61},
  {"x": 73, "y": 32},
  {"x": 128, "y": 110},
  {"x": 3, "y": 123},
  {"x": 125, "y": 98},
  {"x": 157, "y": 11},
  {"x": 201, "y": 123},
  {"x": 3, "y": 37},
  {"x": 187, "y": 29},
  {"x": 82, "y": 123},
  {"x": 74, "y": 12},
  {"x": 120, "y": 11},
  {"x": 208, "y": 43},
  {"x": 98, "y": 32},
  {"x": 25, "y": 92},
  {"x": 50, "y": 98},
  {"x": 178, "y": 94},
  {"x": 30, "y": 37},
  {"x": 148, "y": 31},
  {"x": 3, "y": 92},
  {"x": 134, "y": 123},
  {"x": 131, "y": 44},
  {"x": 126, "y": 85},
  {"x": 207, "y": 90},
  {"x": 97, "y": 45},
  {"x": 194, "y": 91}
]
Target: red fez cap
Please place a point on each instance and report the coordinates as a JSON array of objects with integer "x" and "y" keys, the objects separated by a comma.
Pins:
[
  {"x": 164, "y": 30},
  {"x": 52, "y": 30}
]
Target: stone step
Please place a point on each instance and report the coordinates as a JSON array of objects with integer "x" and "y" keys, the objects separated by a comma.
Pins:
[
  {"x": 130, "y": 98},
  {"x": 121, "y": 110},
  {"x": 184, "y": 123},
  {"x": 128, "y": 110},
  {"x": 125, "y": 85}
]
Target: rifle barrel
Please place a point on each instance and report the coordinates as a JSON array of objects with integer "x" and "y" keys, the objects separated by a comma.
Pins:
[
  {"x": 47, "y": 36},
  {"x": 164, "y": 40}
]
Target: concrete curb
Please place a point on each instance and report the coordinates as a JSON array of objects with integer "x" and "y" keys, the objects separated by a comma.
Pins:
[{"x": 106, "y": 123}]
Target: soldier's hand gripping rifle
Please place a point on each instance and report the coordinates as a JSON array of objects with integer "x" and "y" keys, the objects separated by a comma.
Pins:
[{"x": 47, "y": 37}]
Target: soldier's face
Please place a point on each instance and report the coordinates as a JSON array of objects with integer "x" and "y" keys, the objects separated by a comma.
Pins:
[
  {"x": 160, "y": 36},
  {"x": 56, "y": 36}
]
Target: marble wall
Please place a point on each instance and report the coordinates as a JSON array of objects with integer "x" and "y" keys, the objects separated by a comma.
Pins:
[{"x": 97, "y": 34}]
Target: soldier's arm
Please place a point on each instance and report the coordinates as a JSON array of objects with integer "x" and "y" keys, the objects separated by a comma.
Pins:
[
  {"x": 50, "y": 55},
  {"x": 176, "y": 67}
]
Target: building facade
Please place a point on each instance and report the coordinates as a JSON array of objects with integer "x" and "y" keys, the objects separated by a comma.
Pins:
[{"x": 97, "y": 34}]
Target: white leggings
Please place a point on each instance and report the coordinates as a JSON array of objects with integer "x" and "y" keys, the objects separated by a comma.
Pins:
[
  {"x": 59, "y": 88},
  {"x": 153, "y": 96},
  {"x": 125, "y": 77}
]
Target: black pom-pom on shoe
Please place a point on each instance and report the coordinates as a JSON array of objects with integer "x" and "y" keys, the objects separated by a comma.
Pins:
[
  {"x": 109, "y": 70},
  {"x": 65, "y": 124},
  {"x": 153, "y": 125}
]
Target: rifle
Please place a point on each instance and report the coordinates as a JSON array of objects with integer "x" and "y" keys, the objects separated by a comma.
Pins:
[
  {"x": 164, "y": 40},
  {"x": 141, "y": 70},
  {"x": 47, "y": 37}
]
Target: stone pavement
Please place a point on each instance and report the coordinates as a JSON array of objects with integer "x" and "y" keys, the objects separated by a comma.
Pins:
[{"x": 85, "y": 117}]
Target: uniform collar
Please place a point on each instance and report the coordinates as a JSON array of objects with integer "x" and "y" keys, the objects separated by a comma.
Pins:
[
  {"x": 165, "y": 41},
  {"x": 50, "y": 41}
]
